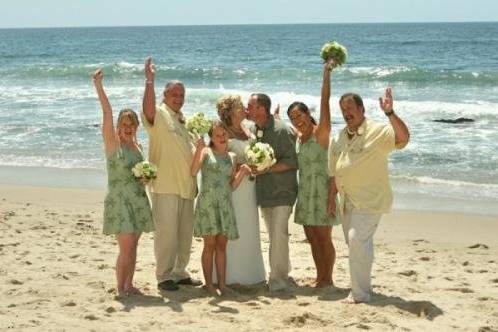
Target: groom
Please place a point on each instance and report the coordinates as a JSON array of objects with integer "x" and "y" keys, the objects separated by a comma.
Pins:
[{"x": 276, "y": 187}]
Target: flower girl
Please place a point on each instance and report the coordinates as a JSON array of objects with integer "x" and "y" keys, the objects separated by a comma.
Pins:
[{"x": 214, "y": 217}]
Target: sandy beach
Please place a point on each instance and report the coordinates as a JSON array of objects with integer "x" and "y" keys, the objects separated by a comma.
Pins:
[{"x": 433, "y": 271}]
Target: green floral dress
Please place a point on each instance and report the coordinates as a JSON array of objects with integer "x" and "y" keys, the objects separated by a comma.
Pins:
[
  {"x": 214, "y": 213},
  {"x": 126, "y": 206},
  {"x": 312, "y": 195}
]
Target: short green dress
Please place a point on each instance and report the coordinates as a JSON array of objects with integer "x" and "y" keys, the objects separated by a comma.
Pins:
[
  {"x": 312, "y": 195},
  {"x": 214, "y": 213},
  {"x": 126, "y": 206}
]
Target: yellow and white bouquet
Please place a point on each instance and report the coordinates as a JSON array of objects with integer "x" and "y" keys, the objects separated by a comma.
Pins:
[
  {"x": 145, "y": 170},
  {"x": 198, "y": 125},
  {"x": 335, "y": 51},
  {"x": 260, "y": 155}
]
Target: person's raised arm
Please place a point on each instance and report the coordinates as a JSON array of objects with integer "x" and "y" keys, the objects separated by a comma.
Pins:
[
  {"x": 149, "y": 101},
  {"x": 324, "y": 124},
  {"x": 401, "y": 132},
  {"x": 199, "y": 155},
  {"x": 108, "y": 131},
  {"x": 276, "y": 112}
]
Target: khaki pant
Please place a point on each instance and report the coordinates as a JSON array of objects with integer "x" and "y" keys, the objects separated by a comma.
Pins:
[
  {"x": 277, "y": 224},
  {"x": 359, "y": 228},
  {"x": 173, "y": 221}
]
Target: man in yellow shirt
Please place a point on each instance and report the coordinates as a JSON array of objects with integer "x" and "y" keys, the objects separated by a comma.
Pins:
[
  {"x": 174, "y": 189},
  {"x": 358, "y": 165}
]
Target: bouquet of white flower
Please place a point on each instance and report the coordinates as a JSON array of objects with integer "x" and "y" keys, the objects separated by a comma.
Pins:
[
  {"x": 335, "y": 51},
  {"x": 260, "y": 155},
  {"x": 198, "y": 125},
  {"x": 145, "y": 170}
]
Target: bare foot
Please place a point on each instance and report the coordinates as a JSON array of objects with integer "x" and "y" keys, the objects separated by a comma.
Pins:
[
  {"x": 121, "y": 295},
  {"x": 324, "y": 283},
  {"x": 226, "y": 290},
  {"x": 211, "y": 290},
  {"x": 134, "y": 291}
]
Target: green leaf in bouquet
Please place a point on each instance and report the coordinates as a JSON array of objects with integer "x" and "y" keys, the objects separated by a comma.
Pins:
[
  {"x": 198, "y": 125},
  {"x": 335, "y": 51}
]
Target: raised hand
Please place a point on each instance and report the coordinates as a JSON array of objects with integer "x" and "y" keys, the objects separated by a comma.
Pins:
[
  {"x": 386, "y": 102},
  {"x": 276, "y": 112},
  {"x": 150, "y": 70},
  {"x": 329, "y": 65},
  {"x": 108, "y": 130},
  {"x": 401, "y": 131},
  {"x": 199, "y": 156},
  {"x": 149, "y": 100},
  {"x": 98, "y": 76},
  {"x": 200, "y": 144}
]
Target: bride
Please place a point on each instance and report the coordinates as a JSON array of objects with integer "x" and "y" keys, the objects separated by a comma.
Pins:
[{"x": 244, "y": 257}]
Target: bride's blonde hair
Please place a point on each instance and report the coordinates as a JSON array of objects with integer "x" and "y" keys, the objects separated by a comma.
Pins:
[{"x": 226, "y": 105}]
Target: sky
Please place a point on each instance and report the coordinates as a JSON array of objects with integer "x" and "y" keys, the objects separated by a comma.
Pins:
[{"x": 69, "y": 13}]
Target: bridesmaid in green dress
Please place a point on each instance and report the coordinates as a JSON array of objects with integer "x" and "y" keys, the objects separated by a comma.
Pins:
[
  {"x": 214, "y": 216},
  {"x": 312, "y": 197},
  {"x": 126, "y": 207}
]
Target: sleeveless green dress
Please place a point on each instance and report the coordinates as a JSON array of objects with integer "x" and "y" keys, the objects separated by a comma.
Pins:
[
  {"x": 214, "y": 213},
  {"x": 126, "y": 206},
  {"x": 312, "y": 195}
]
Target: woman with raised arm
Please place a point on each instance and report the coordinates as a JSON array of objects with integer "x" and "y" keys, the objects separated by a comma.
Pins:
[
  {"x": 312, "y": 198},
  {"x": 126, "y": 207}
]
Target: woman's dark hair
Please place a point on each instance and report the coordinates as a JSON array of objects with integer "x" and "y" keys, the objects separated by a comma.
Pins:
[
  {"x": 356, "y": 98},
  {"x": 302, "y": 108},
  {"x": 214, "y": 123}
]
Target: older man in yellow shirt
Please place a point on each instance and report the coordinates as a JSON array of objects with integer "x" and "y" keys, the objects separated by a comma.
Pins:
[
  {"x": 358, "y": 165},
  {"x": 174, "y": 189}
]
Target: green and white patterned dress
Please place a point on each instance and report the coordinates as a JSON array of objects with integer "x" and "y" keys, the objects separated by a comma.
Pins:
[
  {"x": 312, "y": 195},
  {"x": 214, "y": 212},
  {"x": 126, "y": 206}
]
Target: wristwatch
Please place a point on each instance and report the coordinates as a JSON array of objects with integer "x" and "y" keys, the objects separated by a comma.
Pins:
[{"x": 389, "y": 113}]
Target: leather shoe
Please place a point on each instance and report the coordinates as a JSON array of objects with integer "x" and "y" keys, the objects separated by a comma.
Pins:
[
  {"x": 189, "y": 282},
  {"x": 168, "y": 285}
]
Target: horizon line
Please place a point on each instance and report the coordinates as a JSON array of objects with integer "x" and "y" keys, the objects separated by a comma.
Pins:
[{"x": 233, "y": 24}]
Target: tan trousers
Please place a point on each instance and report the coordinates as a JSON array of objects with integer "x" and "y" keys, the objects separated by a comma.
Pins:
[
  {"x": 173, "y": 221},
  {"x": 359, "y": 228},
  {"x": 277, "y": 224}
]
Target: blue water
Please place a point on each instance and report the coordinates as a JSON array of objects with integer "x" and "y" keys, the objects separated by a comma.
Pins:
[{"x": 49, "y": 113}]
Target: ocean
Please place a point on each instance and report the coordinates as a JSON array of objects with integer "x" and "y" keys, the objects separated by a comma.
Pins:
[{"x": 49, "y": 113}]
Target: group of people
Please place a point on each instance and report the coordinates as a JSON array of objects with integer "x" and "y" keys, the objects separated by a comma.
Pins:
[{"x": 326, "y": 182}]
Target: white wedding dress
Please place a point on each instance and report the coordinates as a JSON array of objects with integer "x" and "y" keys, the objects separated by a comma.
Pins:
[{"x": 245, "y": 264}]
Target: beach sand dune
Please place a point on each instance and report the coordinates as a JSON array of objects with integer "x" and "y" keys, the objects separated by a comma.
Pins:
[{"x": 433, "y": 271}]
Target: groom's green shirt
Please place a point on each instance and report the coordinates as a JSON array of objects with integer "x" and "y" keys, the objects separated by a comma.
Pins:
[{"x": 277, "y": 189}]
